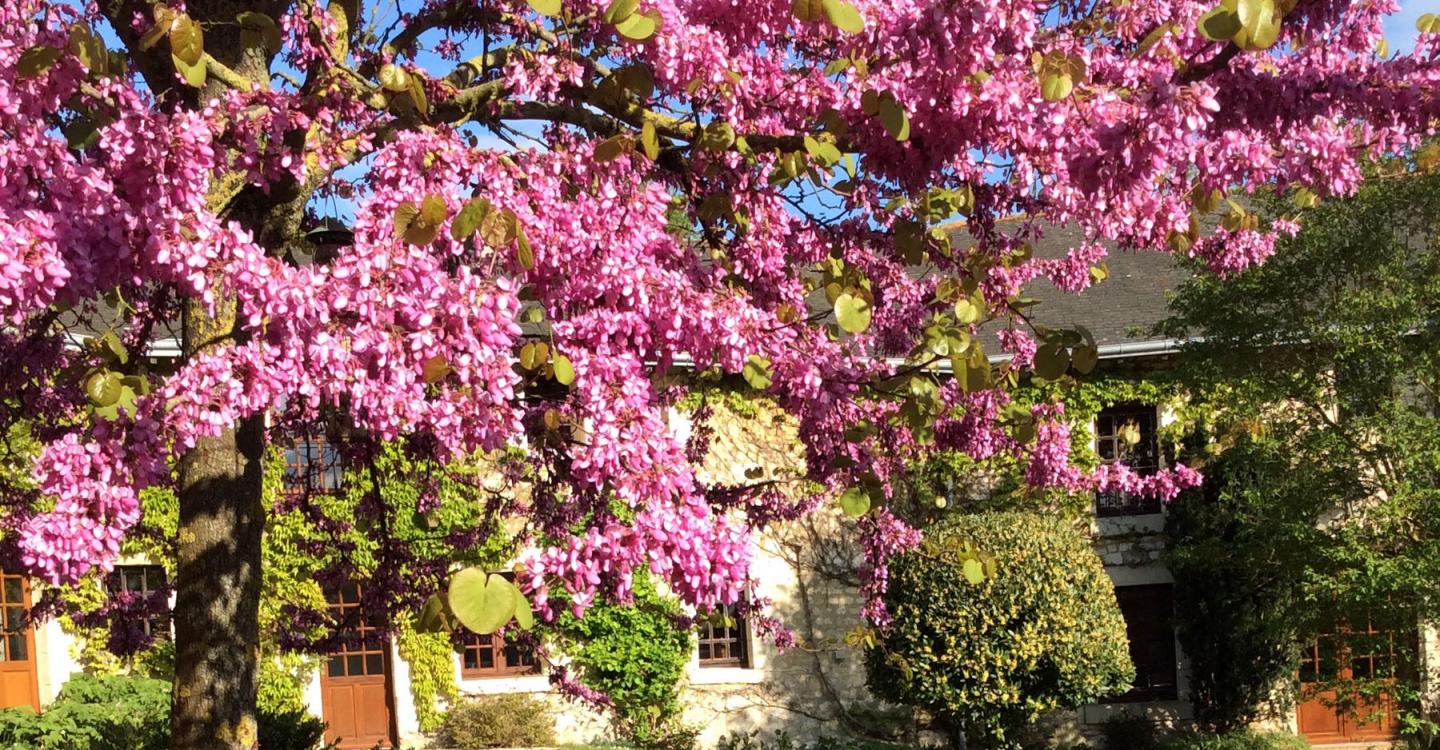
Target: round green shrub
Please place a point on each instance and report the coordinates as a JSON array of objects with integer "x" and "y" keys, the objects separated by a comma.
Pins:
[
  {"x": 1042, "y": 630},
  {"x": 507, "y": 720}
]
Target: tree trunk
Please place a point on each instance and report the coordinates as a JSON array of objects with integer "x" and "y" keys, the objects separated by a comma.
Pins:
[
  {"x": 957, "y": 735},
  {"x": 217, "y": 599}
]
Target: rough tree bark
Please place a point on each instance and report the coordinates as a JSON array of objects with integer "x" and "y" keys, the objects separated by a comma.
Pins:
[{"x": 217, "y": 598}]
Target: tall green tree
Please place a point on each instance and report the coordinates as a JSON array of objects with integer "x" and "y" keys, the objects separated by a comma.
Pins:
[{"x": 1316, "y": 379}]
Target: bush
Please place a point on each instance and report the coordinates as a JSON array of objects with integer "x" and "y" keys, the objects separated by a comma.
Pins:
[
  {"x": 94, "y": 713},
  {"x": 290, "y": 730},
  {"x": 1239, "y": 548},
  {"x": 508, "y": 720},
  {"x": 1043, "y": 632},
  {"x": 635, "y": 654},
  {"x": 1245, "y": 740},
  {"x": 754, "y": 740},
  {"x": 1128, "y": 731},
  {"x": 125, "y": 712}
]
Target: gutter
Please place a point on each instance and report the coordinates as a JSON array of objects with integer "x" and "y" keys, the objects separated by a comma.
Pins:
[{"x": 170, "y": 347}]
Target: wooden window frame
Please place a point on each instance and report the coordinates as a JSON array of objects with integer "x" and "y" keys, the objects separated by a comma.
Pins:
[
  {"x": 312, "y": 466},
  {"x": 501, "y": 653},
  {"x": 1143, "y": 458},
  {"x": 156, "y": 625},
  {"x": 16, "y": 627},
  {"x": 716, "y": 634},
  {"x": 1160, "y": 644},
  {"x": 355, "y": 657}
]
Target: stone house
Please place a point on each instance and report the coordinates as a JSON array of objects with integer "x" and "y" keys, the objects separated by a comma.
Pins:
[{"x": 736, "y": 682}]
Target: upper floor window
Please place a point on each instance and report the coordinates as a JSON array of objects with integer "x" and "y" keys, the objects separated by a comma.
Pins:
[
  {"x": 1148, "y": 611},
  {"x": 493, "y": 656},
  {"x": 724, "y": 639},
  {"x": 312, "y": 466},
  {"x": 148, "y": 583},
  {"x": 1125, "y": 433}
]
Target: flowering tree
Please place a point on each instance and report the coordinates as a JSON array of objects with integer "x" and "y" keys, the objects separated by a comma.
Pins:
[{"x": 714, "y": 186}]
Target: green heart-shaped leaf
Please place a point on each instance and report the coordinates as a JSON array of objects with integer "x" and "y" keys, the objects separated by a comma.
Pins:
[
  {"x": 1051, "y": 361},
  {"x": 893, "y": 117},
  {"x": 855, "y": 502},
  {"x": 843, "y": 16},
  {"x": 973, "y": 571},
  {"x": 1055, "y": 86},
  {"x": 1219, "y": 25},
  {"x": 852, "y": 312},
  {"x": 564, "y": 370},
  {"x": 482, "y": 602},
  {"x": 638, "y": 27},
  {"x": 469, "y": 218},
  {"x": 757, "y": 372},
  {"x": 187, "y": 41},
  {"x": 619, "y": 10},
  {"x": 435, "y": 368},
  {"x": 36, "y": 60}
]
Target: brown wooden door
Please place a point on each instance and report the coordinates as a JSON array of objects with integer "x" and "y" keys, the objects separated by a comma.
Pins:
[
  {"x": 355, "y": 683},
  {"x": 17, "y": 645},
  {"x": 1356, "y": 649}
]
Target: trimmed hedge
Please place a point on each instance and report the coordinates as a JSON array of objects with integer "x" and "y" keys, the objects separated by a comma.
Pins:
[{"x": 1043, "y": 632}]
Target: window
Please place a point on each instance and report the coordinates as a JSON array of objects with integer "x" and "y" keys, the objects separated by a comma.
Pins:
[
  {"x": 312, "y": 467},
  {"x": 724, "y": 640},
  {"x": 365, "y": 652},
  {"x": 142, "y": 587},
  {"x": 1147, "y": 611},
  {"x": 1125, "y": 434},
  {"x": 15, "y": 603},
  {"x": 493, "y": 656}
]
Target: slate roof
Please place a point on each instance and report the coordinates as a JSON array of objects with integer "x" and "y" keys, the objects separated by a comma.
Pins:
[{"x": 1121, "y": 309}]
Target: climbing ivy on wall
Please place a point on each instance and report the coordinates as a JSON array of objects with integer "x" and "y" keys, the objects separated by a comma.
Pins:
[
  {"x": 950, "y": 483},
  {"x": 432, "y": 672},
  {"x": 293, "y": 553},
  {"x": 634, "y": 654}
]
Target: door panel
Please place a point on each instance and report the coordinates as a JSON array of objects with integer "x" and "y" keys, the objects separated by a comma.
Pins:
[
  {"x": 1355, "y": 648},
  {"x": 355, "y": 682},
  {"x": 17, "y": 645},
  {"x": 1319, "y": 718}
]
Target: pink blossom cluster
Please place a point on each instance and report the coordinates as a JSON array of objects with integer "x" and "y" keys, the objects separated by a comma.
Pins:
[
  {"x": 700, "y": 257},
  {"x": 882, "y": 535}
]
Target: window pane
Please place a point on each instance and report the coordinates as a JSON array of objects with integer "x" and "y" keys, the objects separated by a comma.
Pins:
[
  {"x": 14, "y": 590},
  {"x": 355, "y": 664},
  {"x": 374, "y": 664},
  {"x": 487, "y": 658},
  {"x": 470, "y": 660},
  {"x": 1147, "y": 611},
  {"x": 17, "y": 649},
  {"x": 337, "y": 666}
]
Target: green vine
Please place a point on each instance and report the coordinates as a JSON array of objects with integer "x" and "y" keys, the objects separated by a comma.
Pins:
[{"x": 432, "y": 672}]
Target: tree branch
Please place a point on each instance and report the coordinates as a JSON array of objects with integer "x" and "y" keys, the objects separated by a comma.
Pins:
[{"x": 1209, "y": 67}]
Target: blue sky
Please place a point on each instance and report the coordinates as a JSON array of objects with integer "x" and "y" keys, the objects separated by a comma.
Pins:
[{"x": 1400, "y": 28}]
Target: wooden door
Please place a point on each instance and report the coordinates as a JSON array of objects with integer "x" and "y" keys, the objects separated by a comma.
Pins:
[
  {"x": 355, "y": 683},
  {"x": 18, "y": 686},
  {"x": 1358, "y": 648}
]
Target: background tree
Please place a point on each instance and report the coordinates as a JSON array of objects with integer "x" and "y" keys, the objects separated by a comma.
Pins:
[
  {"x": 164, "y": 168},
  {"x": 1315, "y": 379},
  {"x": 985, "y": 654}
]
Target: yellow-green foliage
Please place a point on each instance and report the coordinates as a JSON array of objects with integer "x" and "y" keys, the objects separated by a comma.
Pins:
[
  {"x": 510, "y": 720},
  {"x": 288, "y": 575},
  {"x": 1042, "y": 632},
  {"x": 159, "y": 519},
  {"x": 432, "y": 672}
]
